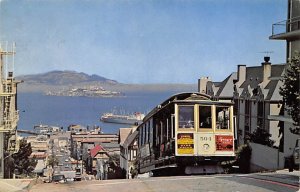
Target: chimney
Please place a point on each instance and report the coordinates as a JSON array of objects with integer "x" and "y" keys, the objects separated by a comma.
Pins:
[
  {"x": 266, "y": 68},
  {"x": 202, "y": 84},
  {"x": 241, "y": 73}
]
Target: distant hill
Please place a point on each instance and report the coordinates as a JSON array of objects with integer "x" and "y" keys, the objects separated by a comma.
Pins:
[{"x": 63, "y": 78}]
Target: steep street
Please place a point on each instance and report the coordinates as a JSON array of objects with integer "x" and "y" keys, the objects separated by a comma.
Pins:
[{"x": 281, "y": 181}]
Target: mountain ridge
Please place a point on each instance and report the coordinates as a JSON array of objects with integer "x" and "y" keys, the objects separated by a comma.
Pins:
[
  {"x": 64, "y": 80},
  {"x": 65, "y": 77}
]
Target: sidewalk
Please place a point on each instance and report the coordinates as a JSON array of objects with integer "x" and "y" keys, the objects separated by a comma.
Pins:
[
  {"x": 282, "y": 176},
  {"x": 16, "y": 185},
  {"x": 286, "y": 171}
]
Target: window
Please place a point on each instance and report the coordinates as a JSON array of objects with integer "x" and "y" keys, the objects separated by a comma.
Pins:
[
  {"x": 141, "y": 136},
  {"x": 149, "y": 132},
  {"x": 186, "y": 116},
  {"x": 205, "y": 117},
  {"x": 222, "y": 117},
  {"x": 247, "y": 116},
  {"x": 260, "y": 114},
  {"x": 146, "y": 133}
]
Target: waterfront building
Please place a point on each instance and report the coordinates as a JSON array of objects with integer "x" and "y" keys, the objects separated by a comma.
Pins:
[
  {"x": 9, "y": 115},
  {"x": 46, "y": 129},
  {"x": 77, "y": 129}
]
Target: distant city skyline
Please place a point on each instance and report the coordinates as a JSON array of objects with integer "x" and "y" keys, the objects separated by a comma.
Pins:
[{"x": 136, "y": 41}]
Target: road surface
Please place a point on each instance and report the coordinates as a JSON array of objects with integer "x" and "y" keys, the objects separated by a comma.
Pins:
[{"x": 209, "y": 183}]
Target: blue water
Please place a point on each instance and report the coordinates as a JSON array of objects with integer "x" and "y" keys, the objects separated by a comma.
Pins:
[{"x": 36, "y": 108}]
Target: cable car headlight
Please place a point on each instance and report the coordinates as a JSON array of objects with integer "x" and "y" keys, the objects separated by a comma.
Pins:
[{"x": 206, "y": 147}]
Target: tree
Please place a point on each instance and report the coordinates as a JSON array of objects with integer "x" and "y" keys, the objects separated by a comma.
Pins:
[
  {"x": 52, "y": 161},
  {"x": 290, "y": 91},
  {"x": 21, "y": 161}
]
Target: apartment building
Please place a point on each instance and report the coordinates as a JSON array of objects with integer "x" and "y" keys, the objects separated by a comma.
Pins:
[{"x": 288, "y": 30}]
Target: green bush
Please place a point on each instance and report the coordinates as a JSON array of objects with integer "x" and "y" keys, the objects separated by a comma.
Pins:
[{"x": 261, "y": 136}]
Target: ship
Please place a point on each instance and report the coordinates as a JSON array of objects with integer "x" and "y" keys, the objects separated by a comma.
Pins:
[{"x": 132, "y": 119}]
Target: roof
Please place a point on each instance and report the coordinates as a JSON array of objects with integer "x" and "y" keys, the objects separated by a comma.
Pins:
[
  {"x": 123, "y": 134},
  {"x": 178, "y": 97},
  {"x": 130, "y": 139},
  {"x": 95, "y": 150},
  {"x": 92, "y": 138},
  {"x": 38, "y": 155},
  {"x": 110, "y": 145},
  {"x": 254, "y": 80},
  {"x": 97, "y": 140},
  {"x": 226, "y": 86},
  {"x": 95, "y": 136}
]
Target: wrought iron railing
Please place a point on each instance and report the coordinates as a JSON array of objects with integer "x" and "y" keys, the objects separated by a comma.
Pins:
[
  {"x": 286, "y": 26},
  {"x": 10, "y": 122}
]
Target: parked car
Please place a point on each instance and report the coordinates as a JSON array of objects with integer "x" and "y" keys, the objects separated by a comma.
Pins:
[{"x": 59, "y": 179}]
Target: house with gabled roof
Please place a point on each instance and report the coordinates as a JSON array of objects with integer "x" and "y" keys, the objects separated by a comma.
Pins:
[
  {"x": 255, "y": 92},
  {"x": 128, "y": 150},
  {"x": 97, "y": 161}
]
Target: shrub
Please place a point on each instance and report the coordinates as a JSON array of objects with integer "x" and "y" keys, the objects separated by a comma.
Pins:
[{"x": 261, "y": 136}]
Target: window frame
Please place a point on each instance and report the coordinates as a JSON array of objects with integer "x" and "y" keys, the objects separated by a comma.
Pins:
[
  {"x": 205, "y": 129},
  {"x": 229, "y": 119},
  {"x": 178, "y": 118}
]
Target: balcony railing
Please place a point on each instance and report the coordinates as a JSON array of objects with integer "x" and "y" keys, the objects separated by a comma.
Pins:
[
  {"x": 10, "y": 122},
  {"x": 286, "y": 26}
]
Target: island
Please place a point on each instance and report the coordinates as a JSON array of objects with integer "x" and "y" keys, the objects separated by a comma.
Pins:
[{"x": 86, "y": 92}]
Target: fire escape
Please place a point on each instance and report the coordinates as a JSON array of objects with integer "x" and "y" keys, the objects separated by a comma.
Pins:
[{"x": 8, "y": 90}]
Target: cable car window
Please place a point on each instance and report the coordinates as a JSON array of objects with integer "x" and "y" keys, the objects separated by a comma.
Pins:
[
  {"x": 222, "y": 115},
  {"x": 186, "y": 116},
  {"x": 205, "y": 117}
]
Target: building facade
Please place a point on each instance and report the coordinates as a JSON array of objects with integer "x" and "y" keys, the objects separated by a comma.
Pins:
[
  {"x": 128, "y": 151},
  {"x": 289, "y": 31},
  {"x": 9, "y": 115},
  {"x": 255, "y": 90},
  {"x": 255, "y": 93}
]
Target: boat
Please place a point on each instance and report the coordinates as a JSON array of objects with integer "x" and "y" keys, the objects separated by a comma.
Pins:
[{"x": 133, "y": 119}]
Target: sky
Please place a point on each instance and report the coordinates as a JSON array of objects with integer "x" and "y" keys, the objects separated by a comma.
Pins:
[{"x": 141, "y": 41}]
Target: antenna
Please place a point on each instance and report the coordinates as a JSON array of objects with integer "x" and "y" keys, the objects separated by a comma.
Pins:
[{"x": 267, "y": 53}]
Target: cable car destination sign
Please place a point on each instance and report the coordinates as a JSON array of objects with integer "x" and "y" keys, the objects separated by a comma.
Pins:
[{"x": 185, "y": 143}]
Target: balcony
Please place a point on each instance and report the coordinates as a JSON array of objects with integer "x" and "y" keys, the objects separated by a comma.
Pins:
[
  {"x": 286, "y": 30},
  {"x": 10, "y": 122}
]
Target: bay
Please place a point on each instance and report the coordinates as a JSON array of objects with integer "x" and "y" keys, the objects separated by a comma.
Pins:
[{"x": 36, "y": 108}]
